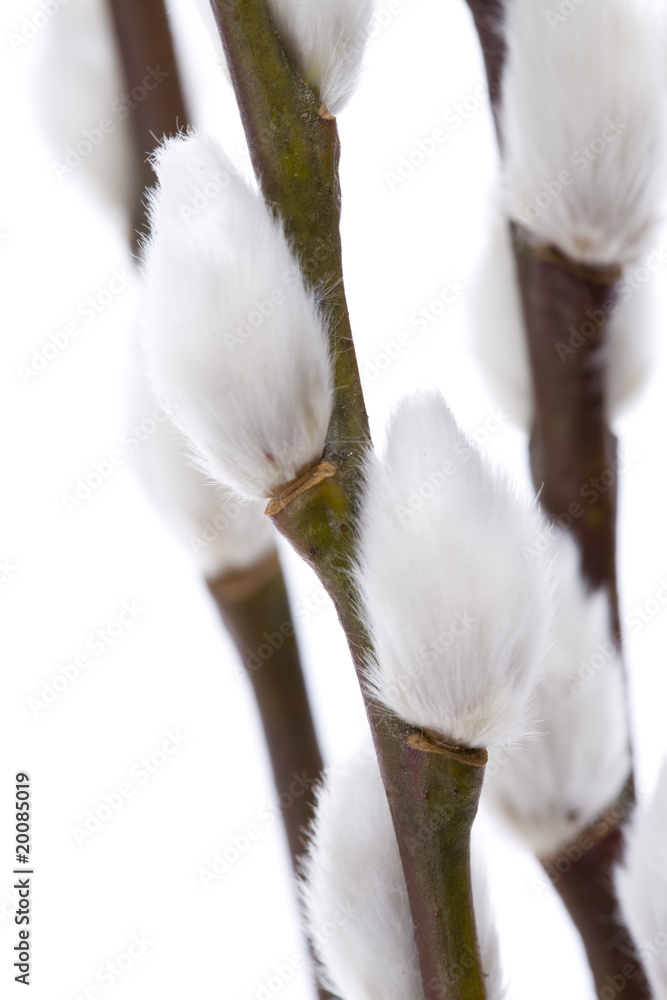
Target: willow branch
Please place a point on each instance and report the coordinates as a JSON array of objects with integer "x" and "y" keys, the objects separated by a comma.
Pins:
[
  {"x": 572, "y": 448},
  {"x": 254, "y": 602},
  {"x": 294, "y": 148},
  {"x": 254, "y": 607},
  {"x": 146, "y": 51}
]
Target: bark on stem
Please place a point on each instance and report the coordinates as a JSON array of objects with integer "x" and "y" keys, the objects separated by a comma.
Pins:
[
  {"x": 574, "y": 463},
  {"x": 488, "y": 16},
  {"x": 571, "y": 446},
  {"x": 147, "y": 55},
  {"x": 253, "y": 604}
]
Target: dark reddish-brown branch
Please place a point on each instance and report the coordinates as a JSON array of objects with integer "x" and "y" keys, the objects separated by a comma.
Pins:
[
  {"x": 254, "y": 607},
  {"x": 488, "y": 16},
  {"x": 153, "y": 84},
  {"x": 566, "y": 311}
]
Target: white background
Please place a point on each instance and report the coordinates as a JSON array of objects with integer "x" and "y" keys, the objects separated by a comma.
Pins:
[{"x": 174, "y": 668}]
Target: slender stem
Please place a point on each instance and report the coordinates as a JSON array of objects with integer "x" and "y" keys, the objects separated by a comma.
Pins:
[
  {"x": 253, "y": 604},
  {"x": 154, "y": 90},
  {"x": 572, "y": 449},
  {"x": 575, "y": 467},
  {"x": 574, "y": 462},
  {"x": 583, "y": 875},
  {"x": 255, "y": 609},
  {"x": 489, "y": 16}
]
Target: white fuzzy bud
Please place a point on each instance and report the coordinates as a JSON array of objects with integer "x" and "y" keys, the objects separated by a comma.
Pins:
[
  {"x": 324, "y": 40},
  {"x": 579, "y": 761},
  {"x": 458, "y": 613},
  {"x": 642, "y": 886},
  {"x": 233, "y": 337},
  {"x": 222, "y": 533},
  {"x": 499, "y": 338},
  {"x": 584, "y": 121},
  {"x": 80, "y": 87},
  {"x": 356, "y": 900}
]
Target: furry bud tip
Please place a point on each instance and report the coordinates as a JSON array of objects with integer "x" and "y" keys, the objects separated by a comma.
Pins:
[
  {"x": 584, "y": 123},
  {"x": 499, "y": 337},
  {"x": 325, "y": 41},
  {"x": 223, "y": 534}
]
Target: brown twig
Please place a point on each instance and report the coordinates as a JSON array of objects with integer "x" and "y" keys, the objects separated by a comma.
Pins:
[
  {"x": 253, "y": 603},
  {"x": 566, "y": 310},
  {"x": 254, "y": 607},
  {"x": 154, "y": 89}
]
